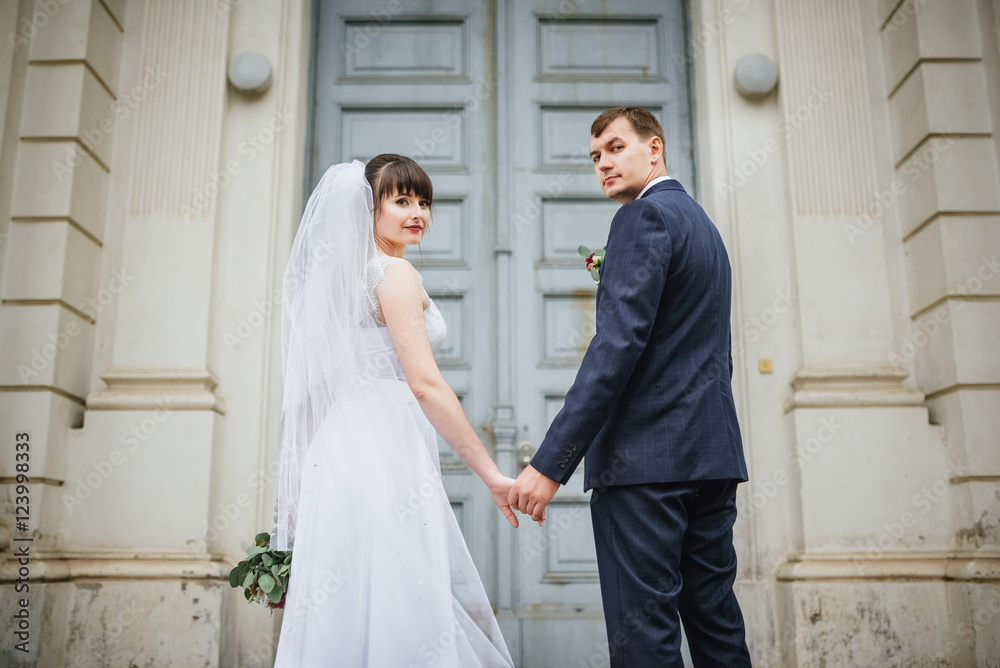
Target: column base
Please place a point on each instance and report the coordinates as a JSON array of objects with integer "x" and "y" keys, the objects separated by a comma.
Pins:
[{"x": 116, "y": 613}]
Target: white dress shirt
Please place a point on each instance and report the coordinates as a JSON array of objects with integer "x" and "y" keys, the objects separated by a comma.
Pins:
[{"x": 652, "y": 183}]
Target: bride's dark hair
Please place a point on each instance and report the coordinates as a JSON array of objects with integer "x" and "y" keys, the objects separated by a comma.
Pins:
[{"x": 389, "y": 173}]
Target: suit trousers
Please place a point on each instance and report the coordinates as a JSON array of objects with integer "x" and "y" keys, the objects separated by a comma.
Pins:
[{"x": 666, "y": 550}]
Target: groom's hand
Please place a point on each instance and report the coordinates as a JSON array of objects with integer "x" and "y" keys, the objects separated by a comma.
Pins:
[{"x": 531, "y": 492}]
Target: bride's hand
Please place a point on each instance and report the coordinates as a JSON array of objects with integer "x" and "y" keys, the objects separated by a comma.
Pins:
[{"x": 499, "y": 487}]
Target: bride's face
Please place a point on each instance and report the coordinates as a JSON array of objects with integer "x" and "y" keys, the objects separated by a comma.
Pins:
[{"x": 401, "y": 219}]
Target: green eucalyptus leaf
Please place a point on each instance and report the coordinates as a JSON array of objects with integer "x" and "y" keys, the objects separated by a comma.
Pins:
[
  {"x": 248, "y": 580},
  {"x": 284, "y": 569},
  {"x": 247, "y": 594},
  {"x": 583, "y": 251},
  {"x": 234, "y": 576},
  {"x": 276, "y": 571},
  {"x": 262, "y": 538},
  {"x": 595, "y": 274},
  {"x": 275, "y": 594},
  {"x": 267, "y": 559},
  {"x": 266, "y": 582}
]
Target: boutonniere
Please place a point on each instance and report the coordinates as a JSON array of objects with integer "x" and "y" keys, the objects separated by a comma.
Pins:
[
  {"x": 593, "y": 259},
  {"x": 263, "y": 574}
]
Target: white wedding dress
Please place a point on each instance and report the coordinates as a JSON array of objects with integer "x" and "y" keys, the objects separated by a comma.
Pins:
[{"x": 381, "y": 576}]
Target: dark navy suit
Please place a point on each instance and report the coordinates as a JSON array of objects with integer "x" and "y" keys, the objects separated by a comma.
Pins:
[{"x": 652, "y": 410}]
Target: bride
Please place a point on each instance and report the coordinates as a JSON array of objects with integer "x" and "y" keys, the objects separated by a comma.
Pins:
[{"x": 381, "y": 576}]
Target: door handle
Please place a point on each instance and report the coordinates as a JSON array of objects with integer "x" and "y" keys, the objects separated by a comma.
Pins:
[{"x": 525, "y": 451}]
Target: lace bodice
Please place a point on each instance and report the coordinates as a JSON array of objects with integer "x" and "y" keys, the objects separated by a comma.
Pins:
[{"x": 433, "y": 320}]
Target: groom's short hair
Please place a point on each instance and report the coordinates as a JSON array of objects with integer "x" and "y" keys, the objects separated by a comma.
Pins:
[{"x": 643, "y": 123}]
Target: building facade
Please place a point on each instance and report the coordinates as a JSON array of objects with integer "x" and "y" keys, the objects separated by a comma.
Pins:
[{"x": 152, "y": 201}]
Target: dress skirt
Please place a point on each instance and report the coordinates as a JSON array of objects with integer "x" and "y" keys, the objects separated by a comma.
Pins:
[{"x": 380, "y": 575}]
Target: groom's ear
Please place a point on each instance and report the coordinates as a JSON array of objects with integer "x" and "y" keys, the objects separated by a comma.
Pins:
[{"x": 656, "y": 148}]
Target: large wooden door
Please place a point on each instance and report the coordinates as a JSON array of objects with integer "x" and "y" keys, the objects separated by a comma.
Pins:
[{"x": 495, "y": 100}]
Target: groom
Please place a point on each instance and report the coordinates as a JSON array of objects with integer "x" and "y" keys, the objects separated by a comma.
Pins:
[{"x": 652, "y": 409}]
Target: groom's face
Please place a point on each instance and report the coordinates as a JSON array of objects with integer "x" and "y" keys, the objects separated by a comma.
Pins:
[{"x": 623, "y": 162}]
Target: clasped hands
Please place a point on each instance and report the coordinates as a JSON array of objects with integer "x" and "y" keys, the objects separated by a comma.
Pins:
[{"x": 529, "y": 494}]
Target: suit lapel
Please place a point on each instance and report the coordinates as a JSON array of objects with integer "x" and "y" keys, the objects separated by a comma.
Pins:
[{"x": 668, "y": 184}]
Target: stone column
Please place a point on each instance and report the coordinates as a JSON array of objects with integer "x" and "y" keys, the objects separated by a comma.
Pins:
[
  {"x": 942, "y": 71},
  {"x": 134, "y": 484},
  {"x": 64, "y": 83},
  {"x": 872, "y": 471}
]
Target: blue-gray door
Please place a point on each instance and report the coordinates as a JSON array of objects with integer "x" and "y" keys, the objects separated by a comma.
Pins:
[{"x": 495, "y": 100}]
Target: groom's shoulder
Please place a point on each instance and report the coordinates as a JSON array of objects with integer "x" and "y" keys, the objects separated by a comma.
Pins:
[
  {"x": 663, "y": 198},
  {"x": 674, "y": 200},
  {"x": 667, "y": 191}
]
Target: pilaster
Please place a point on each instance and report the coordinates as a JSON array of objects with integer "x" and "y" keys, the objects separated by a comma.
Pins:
[{"x": 942, "y": 68}]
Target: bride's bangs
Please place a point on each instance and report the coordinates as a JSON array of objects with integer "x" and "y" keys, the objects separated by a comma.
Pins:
[{"x": 406, "y": 177}]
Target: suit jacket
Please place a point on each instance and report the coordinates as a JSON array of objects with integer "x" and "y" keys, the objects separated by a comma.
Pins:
[{"x": 653, "y": 401}]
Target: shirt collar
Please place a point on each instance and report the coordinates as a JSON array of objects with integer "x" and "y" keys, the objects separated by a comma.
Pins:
[{"x": 653, "y": 183}]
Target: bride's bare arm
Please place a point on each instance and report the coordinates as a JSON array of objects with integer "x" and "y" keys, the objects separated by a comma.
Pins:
[{"x": 401, "y": 302}]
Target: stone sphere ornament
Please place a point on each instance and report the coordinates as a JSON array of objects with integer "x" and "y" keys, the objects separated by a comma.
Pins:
[
  {"x": 756, "y": 76},
  {"x": 249, "y": 73}
]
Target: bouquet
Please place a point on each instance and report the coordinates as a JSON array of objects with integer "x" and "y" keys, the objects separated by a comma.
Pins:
[
  {"x": 263, "y": 574},
  {"x": 593, "y": 259}
]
